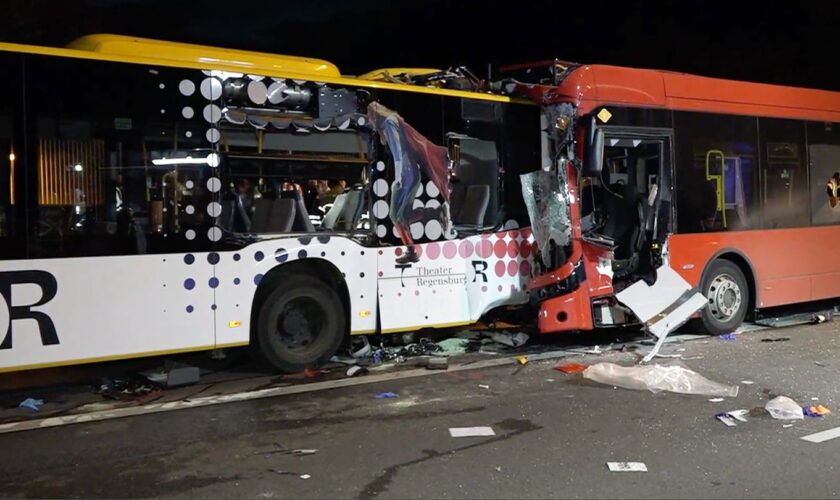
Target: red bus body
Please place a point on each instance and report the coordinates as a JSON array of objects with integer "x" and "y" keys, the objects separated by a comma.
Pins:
[{"x": 784, "y": 266}]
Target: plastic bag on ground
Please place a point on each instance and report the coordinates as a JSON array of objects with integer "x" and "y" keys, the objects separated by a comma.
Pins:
[
  {"x": 672, "y": 377},
  {"x": 784, "y": 408}
]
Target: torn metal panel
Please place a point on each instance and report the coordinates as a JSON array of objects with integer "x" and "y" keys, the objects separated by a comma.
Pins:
[
  {"x": 547, "y": 201},
  {"x": 664, "y": 306}
]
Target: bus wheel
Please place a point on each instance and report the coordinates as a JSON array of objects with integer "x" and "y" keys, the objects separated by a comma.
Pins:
[
  {"x": 728, "y": 294},
  {"x": 300, "y": 324}
]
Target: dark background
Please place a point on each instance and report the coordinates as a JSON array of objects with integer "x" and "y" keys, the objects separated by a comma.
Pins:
[{"x": 790, "y": 42}]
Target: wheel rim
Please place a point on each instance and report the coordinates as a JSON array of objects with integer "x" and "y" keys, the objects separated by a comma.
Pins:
[
  {"x": 725, "y": 297},
  {"x": 300, "y": 324}
]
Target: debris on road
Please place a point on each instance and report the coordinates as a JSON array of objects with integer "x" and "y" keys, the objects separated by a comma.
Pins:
[
  {"x": 289, "y": 473},
  {"x": 570, "y": 368},
  {"x": 173, "y": 374},
  {"x": 820, "y": 437},
  {"x": 627, "y": 466},
  {"x": 784, "y": 408},
  {"x": 386, "y": 395},
  {"x": 747, "y": 382},
  {"x": 452, "y": 346},
  {"x": 673, "y": 377},
  {"x": 727, "y": 336},
  {"x": 431, "y": 363},
  {"x": 815, "y": 411},
  {"x": 31, "y": 404},
  {"x": 716, "y": 400},
  {"x": 522, "y": 360},
  {"x": 484, "y": 386},
  {"x": 457, "y": 432},
  {"x": 739, "y": 415},
  {"x": 726, "y": 419},
  {"x": 509, "y": 339},
  {"x": 796, "y": 319},
  {"x": 128, "y": 390},
  {"x": 776, "y": 339},
  {"x": 280, "y": 450},
  {"x": 356, "y": 370}
]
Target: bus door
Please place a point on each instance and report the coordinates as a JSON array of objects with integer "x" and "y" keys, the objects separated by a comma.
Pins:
[
  {"x": 430, "y": 292},
  {"x": 632, "y": 204}
]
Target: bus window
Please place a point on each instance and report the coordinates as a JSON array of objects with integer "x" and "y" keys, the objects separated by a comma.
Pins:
[
  {"x": 119, "y": 167},
  {"x": 784, "y": 175},
  {"x": 11, "y": 157},
  {"x": 716, "y": 172},
  {"x": 824, "y": 159}
]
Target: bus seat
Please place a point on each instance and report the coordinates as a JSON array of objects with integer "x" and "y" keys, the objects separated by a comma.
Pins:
[
  {"x": 226, "y": 217},
  {"x": 273, "y": 216},
  {"x": 282, "y": 216},
  {"x": 331, "y": 217},
  {"x": 352, "y": 211},
  {"x": 301, "y": 222},
  {"x": 456, "y": 200},
  {"x": 621, "y": 206},
  {"x": 262, "y": 212},
  {"x": 474, "y": 206}
]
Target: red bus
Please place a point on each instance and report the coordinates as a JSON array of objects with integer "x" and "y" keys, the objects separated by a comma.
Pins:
[{"x": 733, "y": 185}]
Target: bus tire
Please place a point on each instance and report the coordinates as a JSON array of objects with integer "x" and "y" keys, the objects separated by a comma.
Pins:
[
  {"x": 728, "y": 296},
  {"x": 300, "y": 324}
]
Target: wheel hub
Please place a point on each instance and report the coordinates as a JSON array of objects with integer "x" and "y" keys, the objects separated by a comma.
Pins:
[
  {"x": 725, "y": 297},
  {"x": 299, "y": 324}
]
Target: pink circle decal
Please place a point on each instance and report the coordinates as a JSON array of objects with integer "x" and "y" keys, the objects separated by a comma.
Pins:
[
  {"x": 433, "y": 251},
  {"x": 483, "y": 288},
  {"x": 524, "y": 268},
  {"x": 419, "y": 250},
  {"x": 500, "y": 248},
  {"x": 512, "y": 249},
  {"x": 398, "y": 251},
  {"x": 465, "y": 250},
  {"x": 500, "y": 268},
  {"x": 513, "y": 268},
  {"x": 485, "y": 249},
  {"x": 525, "y": 249},
  {"x": 513, "y": 234},
  {"x": 499, "y": 288},
  {"x": 525, "y": 233},
  {"x": 449, "y": 250}
]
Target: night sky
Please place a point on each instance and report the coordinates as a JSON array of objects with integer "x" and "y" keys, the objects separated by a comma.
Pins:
[{"x": 794, "y": 43}]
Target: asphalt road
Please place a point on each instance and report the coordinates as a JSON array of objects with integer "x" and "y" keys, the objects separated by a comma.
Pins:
[{"x": 554, "y": 435}]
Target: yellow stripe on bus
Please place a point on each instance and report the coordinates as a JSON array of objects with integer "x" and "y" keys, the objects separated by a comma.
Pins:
[{"x": 439, "y": 325}]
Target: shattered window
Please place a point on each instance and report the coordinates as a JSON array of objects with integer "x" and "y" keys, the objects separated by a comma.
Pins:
[{"x": 784, "y": 173}]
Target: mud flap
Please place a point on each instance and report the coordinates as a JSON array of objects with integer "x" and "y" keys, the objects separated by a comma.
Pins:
[{"x": 664, "y": 306}]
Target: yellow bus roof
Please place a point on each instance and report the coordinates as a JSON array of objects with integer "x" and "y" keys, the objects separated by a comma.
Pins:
[
  {"x": 135, "y": 50},
  {"x": 247, "y": 61}
]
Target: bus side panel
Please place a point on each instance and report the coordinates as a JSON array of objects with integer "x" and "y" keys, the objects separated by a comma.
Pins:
[
  {"x": 455, "y": 282},
  {"x": 785, "y": 261},
  {"x": 65, "y": 311},
  {"x": 239, "y": 272}
]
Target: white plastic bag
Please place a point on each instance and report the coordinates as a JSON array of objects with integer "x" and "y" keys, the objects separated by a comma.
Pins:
[
  {"x": 784, "y": 408},
  {"x": 672, "y": 377}
]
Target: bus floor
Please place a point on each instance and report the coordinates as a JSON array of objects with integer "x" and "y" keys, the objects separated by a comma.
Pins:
[{"x": 554, "y": 434}]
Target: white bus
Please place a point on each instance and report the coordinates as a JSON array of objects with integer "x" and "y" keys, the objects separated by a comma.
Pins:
[{"x": 160, "y": 197}]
